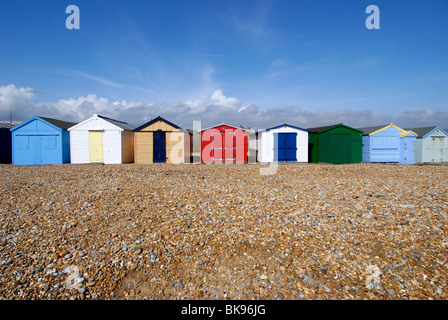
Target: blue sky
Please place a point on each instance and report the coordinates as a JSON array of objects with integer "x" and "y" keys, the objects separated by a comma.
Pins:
[{"x": 258, "y": 62}]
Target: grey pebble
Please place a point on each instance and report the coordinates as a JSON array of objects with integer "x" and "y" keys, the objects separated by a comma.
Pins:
[{"x": 390, "y": 292}]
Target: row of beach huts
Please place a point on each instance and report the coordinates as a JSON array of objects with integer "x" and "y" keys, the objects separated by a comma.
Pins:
[{"x": 42, "y": 140}]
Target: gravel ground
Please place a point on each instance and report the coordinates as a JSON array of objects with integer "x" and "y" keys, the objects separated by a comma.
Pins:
[{"x": 311, "y": 231}]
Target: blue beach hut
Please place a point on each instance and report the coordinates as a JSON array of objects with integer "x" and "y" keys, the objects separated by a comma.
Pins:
[
  {"x": 388, "y": 143},
  {"x": 41, "y": 140}
]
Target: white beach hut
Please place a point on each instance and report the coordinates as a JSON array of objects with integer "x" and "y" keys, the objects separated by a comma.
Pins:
[
  {"x": 284, "y": 143},
  {"x": 101, "y": 140}
]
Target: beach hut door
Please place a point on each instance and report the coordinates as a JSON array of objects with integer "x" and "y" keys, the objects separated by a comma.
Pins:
[
  {"x": 159, "y": 147},
  {"x": 96, "y": 146},
  {"x": 36, "y": 143},
  {"x": 285, "y": 147}
]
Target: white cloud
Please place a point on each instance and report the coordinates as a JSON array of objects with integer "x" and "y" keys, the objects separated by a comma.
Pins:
[
  {"x": 210, "y": 110},
  {"x": 11, "y": 96},
  {"x": 217, "y": 99}
]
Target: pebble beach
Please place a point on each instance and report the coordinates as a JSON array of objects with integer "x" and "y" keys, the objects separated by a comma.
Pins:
[{"x": 214, "y": 232}]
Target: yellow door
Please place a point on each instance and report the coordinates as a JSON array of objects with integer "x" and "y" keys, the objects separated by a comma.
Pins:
[{"x": 96, "y": 146}]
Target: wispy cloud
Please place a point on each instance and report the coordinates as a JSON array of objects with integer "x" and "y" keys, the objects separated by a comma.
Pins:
[{"x": 79, "y": 74}]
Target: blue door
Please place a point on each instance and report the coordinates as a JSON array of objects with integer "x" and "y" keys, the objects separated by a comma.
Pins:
[
  {"x": 159, "y": 147},
  {"x": 407, "y": 152},
  {"x": 285, "y": 147},
  {"x": 36, "y": 147}
]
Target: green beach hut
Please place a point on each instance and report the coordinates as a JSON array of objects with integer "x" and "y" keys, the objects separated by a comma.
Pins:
[{"x": 336, "y": 144}]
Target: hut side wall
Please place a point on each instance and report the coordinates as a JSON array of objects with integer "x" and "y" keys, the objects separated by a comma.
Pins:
[
  {"x": 313, "y": 147},
  {"x": 127, "y": 146},
  {"x": 366, "y": 148}
]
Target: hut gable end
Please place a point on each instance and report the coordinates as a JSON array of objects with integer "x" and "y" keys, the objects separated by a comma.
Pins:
[{"x": 159, "y": 125}]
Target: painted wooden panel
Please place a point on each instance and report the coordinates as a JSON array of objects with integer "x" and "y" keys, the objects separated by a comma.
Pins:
[
  {"x": 159, "y": 125},
  {"x": 79, "y": 147},
  {"x": 143, "y": 146},
  {"x": 112, "y": 147}
]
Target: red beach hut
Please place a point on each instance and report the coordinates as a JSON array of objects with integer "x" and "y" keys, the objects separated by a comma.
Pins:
[{"x": 224, "y": 143}]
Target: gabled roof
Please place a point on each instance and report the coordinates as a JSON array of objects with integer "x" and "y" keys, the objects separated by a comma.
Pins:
[
  {"x": 287, "y": 125},
  {"x": 116, "y": 123},
  {"x": 375, "y": 129},
  {"x": 223, "y": 124},
  {"x": 57, "y": 124},
  {"x": 326, "y": 128},
  {"x": 423, "y": 132},
  {"x": 159, "y": 118}
]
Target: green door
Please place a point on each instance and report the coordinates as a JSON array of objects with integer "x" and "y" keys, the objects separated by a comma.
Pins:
[{"x": 341, "y": 145}]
